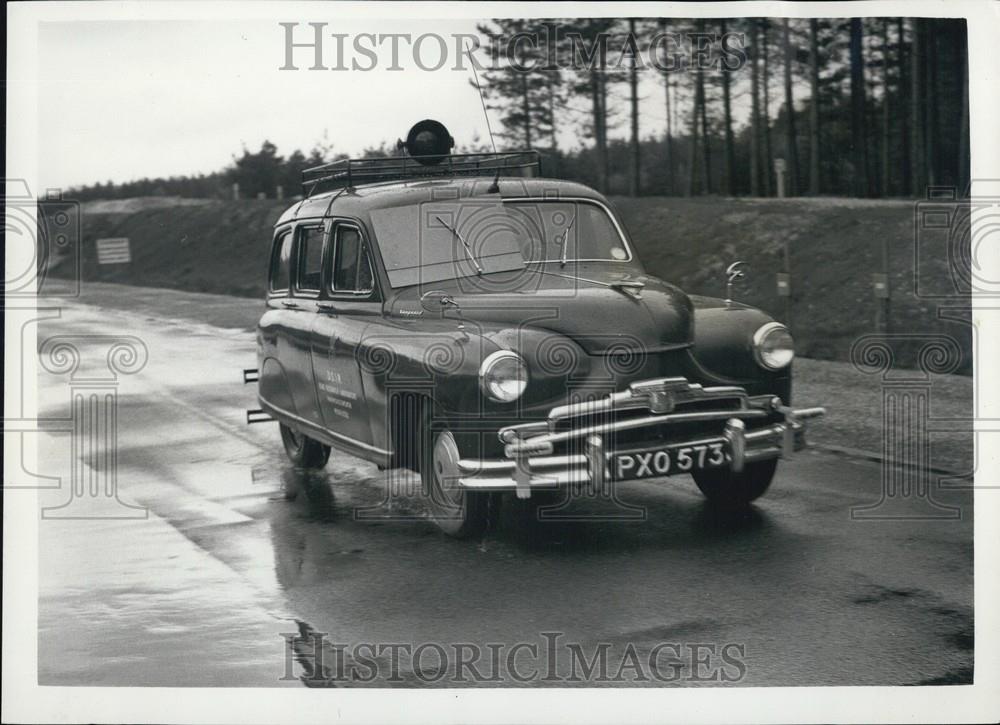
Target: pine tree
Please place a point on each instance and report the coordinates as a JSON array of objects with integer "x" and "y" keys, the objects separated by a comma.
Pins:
[
  {"x": 791, "y": 141},
  {"x": 727, "y": 122},
  {"x": 521, "y": 88},
  {"x": 814, "y": 116}
]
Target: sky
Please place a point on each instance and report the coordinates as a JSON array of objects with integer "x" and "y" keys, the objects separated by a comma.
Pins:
[{"x": 121, "y": 100}]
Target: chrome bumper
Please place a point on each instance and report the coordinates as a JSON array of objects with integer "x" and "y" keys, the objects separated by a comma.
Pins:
[{"x": 529, "y": 464}]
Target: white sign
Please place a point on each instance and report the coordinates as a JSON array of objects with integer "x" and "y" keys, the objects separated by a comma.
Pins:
[{"x": 113, "y": 251}]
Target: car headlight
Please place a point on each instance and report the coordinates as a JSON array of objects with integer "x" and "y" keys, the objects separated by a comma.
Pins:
[
  {"x": 773, "y": 346},
  {"x": 503, "y": 376}
]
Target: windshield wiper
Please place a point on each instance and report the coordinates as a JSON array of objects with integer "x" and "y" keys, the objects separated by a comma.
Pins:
[
  {"x": 459, "y": 237},
  {"x": 630, "y": 287},
  {"x": 565, "y": 242}
]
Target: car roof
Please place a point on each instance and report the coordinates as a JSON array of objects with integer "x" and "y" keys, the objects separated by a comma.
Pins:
[{"x": 360, "y": 201}]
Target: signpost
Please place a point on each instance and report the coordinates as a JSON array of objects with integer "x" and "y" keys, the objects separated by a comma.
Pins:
[
  {"x": 113, "y": 251},
  {"x": 880, "y": 286},
  {"x": 784, "y": 280},
  {"x": 880, "y": 283},
  {"x": 784, "y": 284}
]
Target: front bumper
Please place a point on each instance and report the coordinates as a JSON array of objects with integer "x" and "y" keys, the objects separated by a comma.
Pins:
[{"x": 753, "y": 428}]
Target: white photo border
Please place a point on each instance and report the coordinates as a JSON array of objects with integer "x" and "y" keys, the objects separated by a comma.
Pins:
[{"x": 25, "y": 701}]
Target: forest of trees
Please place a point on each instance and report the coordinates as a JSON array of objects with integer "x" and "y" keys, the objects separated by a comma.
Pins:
[{"x": 865, "y": 107}]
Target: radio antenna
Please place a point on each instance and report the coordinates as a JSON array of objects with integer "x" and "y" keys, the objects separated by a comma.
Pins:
[
  {"x": 482, "y": 99},
  {"x": 495, "y": 186}
]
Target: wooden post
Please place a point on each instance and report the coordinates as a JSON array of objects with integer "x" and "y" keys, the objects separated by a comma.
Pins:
[
  {"x": 882, "y": 291},
  {"x": 788, "y": 273}
]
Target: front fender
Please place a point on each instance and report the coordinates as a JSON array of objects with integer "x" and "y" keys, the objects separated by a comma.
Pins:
[
  {"x": 434, "y": 360},
  {"x": 723, "y": 349},
  {"x": 439, "y": 361}
]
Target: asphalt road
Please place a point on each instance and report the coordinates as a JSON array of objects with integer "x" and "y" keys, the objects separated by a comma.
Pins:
[{"x": 222, "y": 581}]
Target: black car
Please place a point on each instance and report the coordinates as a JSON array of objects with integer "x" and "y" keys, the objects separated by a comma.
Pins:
[{"x": 460, "y": 316}]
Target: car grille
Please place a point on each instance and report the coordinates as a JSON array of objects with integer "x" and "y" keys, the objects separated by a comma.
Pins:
[{"x": 599, "y": 411}]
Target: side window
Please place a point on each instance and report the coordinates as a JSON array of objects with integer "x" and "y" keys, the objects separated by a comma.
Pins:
[
  {"x": 281, "y": 256},
  {"x": 310, "y": 259},
  {"x": 352, "y": 271},
  {"x": 366, "y": 279}
]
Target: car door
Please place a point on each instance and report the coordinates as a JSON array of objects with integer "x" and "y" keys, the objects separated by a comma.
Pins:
[
  {"x": 300, "y": 314},
  {"x": 274, "y": 348},
  {"x": 350, "y": 304}
]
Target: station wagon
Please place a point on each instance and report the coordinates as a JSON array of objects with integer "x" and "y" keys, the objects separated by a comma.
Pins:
[{"x": 495, "y": 331}]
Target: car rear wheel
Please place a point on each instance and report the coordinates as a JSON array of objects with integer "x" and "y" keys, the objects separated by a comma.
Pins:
[
  {"x": 457, "y": 512},
  {"x": 726, "y": 489},
  {"x": 303, "y": 451}
]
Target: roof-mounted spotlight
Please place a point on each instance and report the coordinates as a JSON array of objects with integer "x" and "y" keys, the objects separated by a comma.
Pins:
[{"x": 428, "y": 142}]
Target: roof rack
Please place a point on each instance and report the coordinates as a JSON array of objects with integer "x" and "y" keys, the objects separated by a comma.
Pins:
[{"x": 351, "y": 172}]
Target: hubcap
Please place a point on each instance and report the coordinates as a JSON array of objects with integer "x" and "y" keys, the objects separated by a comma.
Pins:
[{"x": 446, "y": 469}]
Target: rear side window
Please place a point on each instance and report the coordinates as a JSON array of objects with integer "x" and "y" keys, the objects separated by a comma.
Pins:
[
  {"x": 310, "y": 258},
  {"x": 365, "y": 276},
  {"x": 352, "y": 271},
  {"x": 281, "y": 258}
]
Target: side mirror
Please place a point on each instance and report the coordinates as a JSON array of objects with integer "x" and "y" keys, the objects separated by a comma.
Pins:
[{"x": 437, "y": 301}]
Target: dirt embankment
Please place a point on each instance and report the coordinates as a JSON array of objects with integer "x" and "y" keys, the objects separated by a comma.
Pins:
[
  {"x": 834, "y": 247},
  {"x": 212, "y": 246}
]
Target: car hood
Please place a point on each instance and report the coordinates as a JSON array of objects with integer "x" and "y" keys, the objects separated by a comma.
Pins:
[{"x": 576, "y": 303}]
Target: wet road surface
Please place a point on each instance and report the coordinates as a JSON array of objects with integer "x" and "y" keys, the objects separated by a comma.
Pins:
[{"x": 221, "y": 580}]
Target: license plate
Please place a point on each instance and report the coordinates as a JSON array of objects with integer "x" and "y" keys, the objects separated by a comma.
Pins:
[{"x": 668, "y": 460}]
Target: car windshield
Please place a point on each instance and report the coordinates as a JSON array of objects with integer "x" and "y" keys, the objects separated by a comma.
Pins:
[
  {"x": 567, "y": 231},
  {"x": 448, "y": 239}
]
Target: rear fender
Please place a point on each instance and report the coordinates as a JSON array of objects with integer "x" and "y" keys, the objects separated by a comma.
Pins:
[{"x": 273, "y": 387}]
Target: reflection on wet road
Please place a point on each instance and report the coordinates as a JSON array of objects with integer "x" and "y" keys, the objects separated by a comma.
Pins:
[{"x": 243, "y": 563}]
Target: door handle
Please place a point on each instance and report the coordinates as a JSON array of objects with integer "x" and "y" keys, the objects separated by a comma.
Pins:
[
  {"x": 326, "y": 307},
  {"x": 290, "y": 305}
]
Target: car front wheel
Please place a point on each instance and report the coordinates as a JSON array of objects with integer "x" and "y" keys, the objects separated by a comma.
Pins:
[
  {"x": 726, "y": 489},
  {"x": 457, "y": 512}
]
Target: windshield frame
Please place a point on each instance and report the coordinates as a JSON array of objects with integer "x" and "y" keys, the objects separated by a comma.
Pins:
[{"x": 577, "y": 200}]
